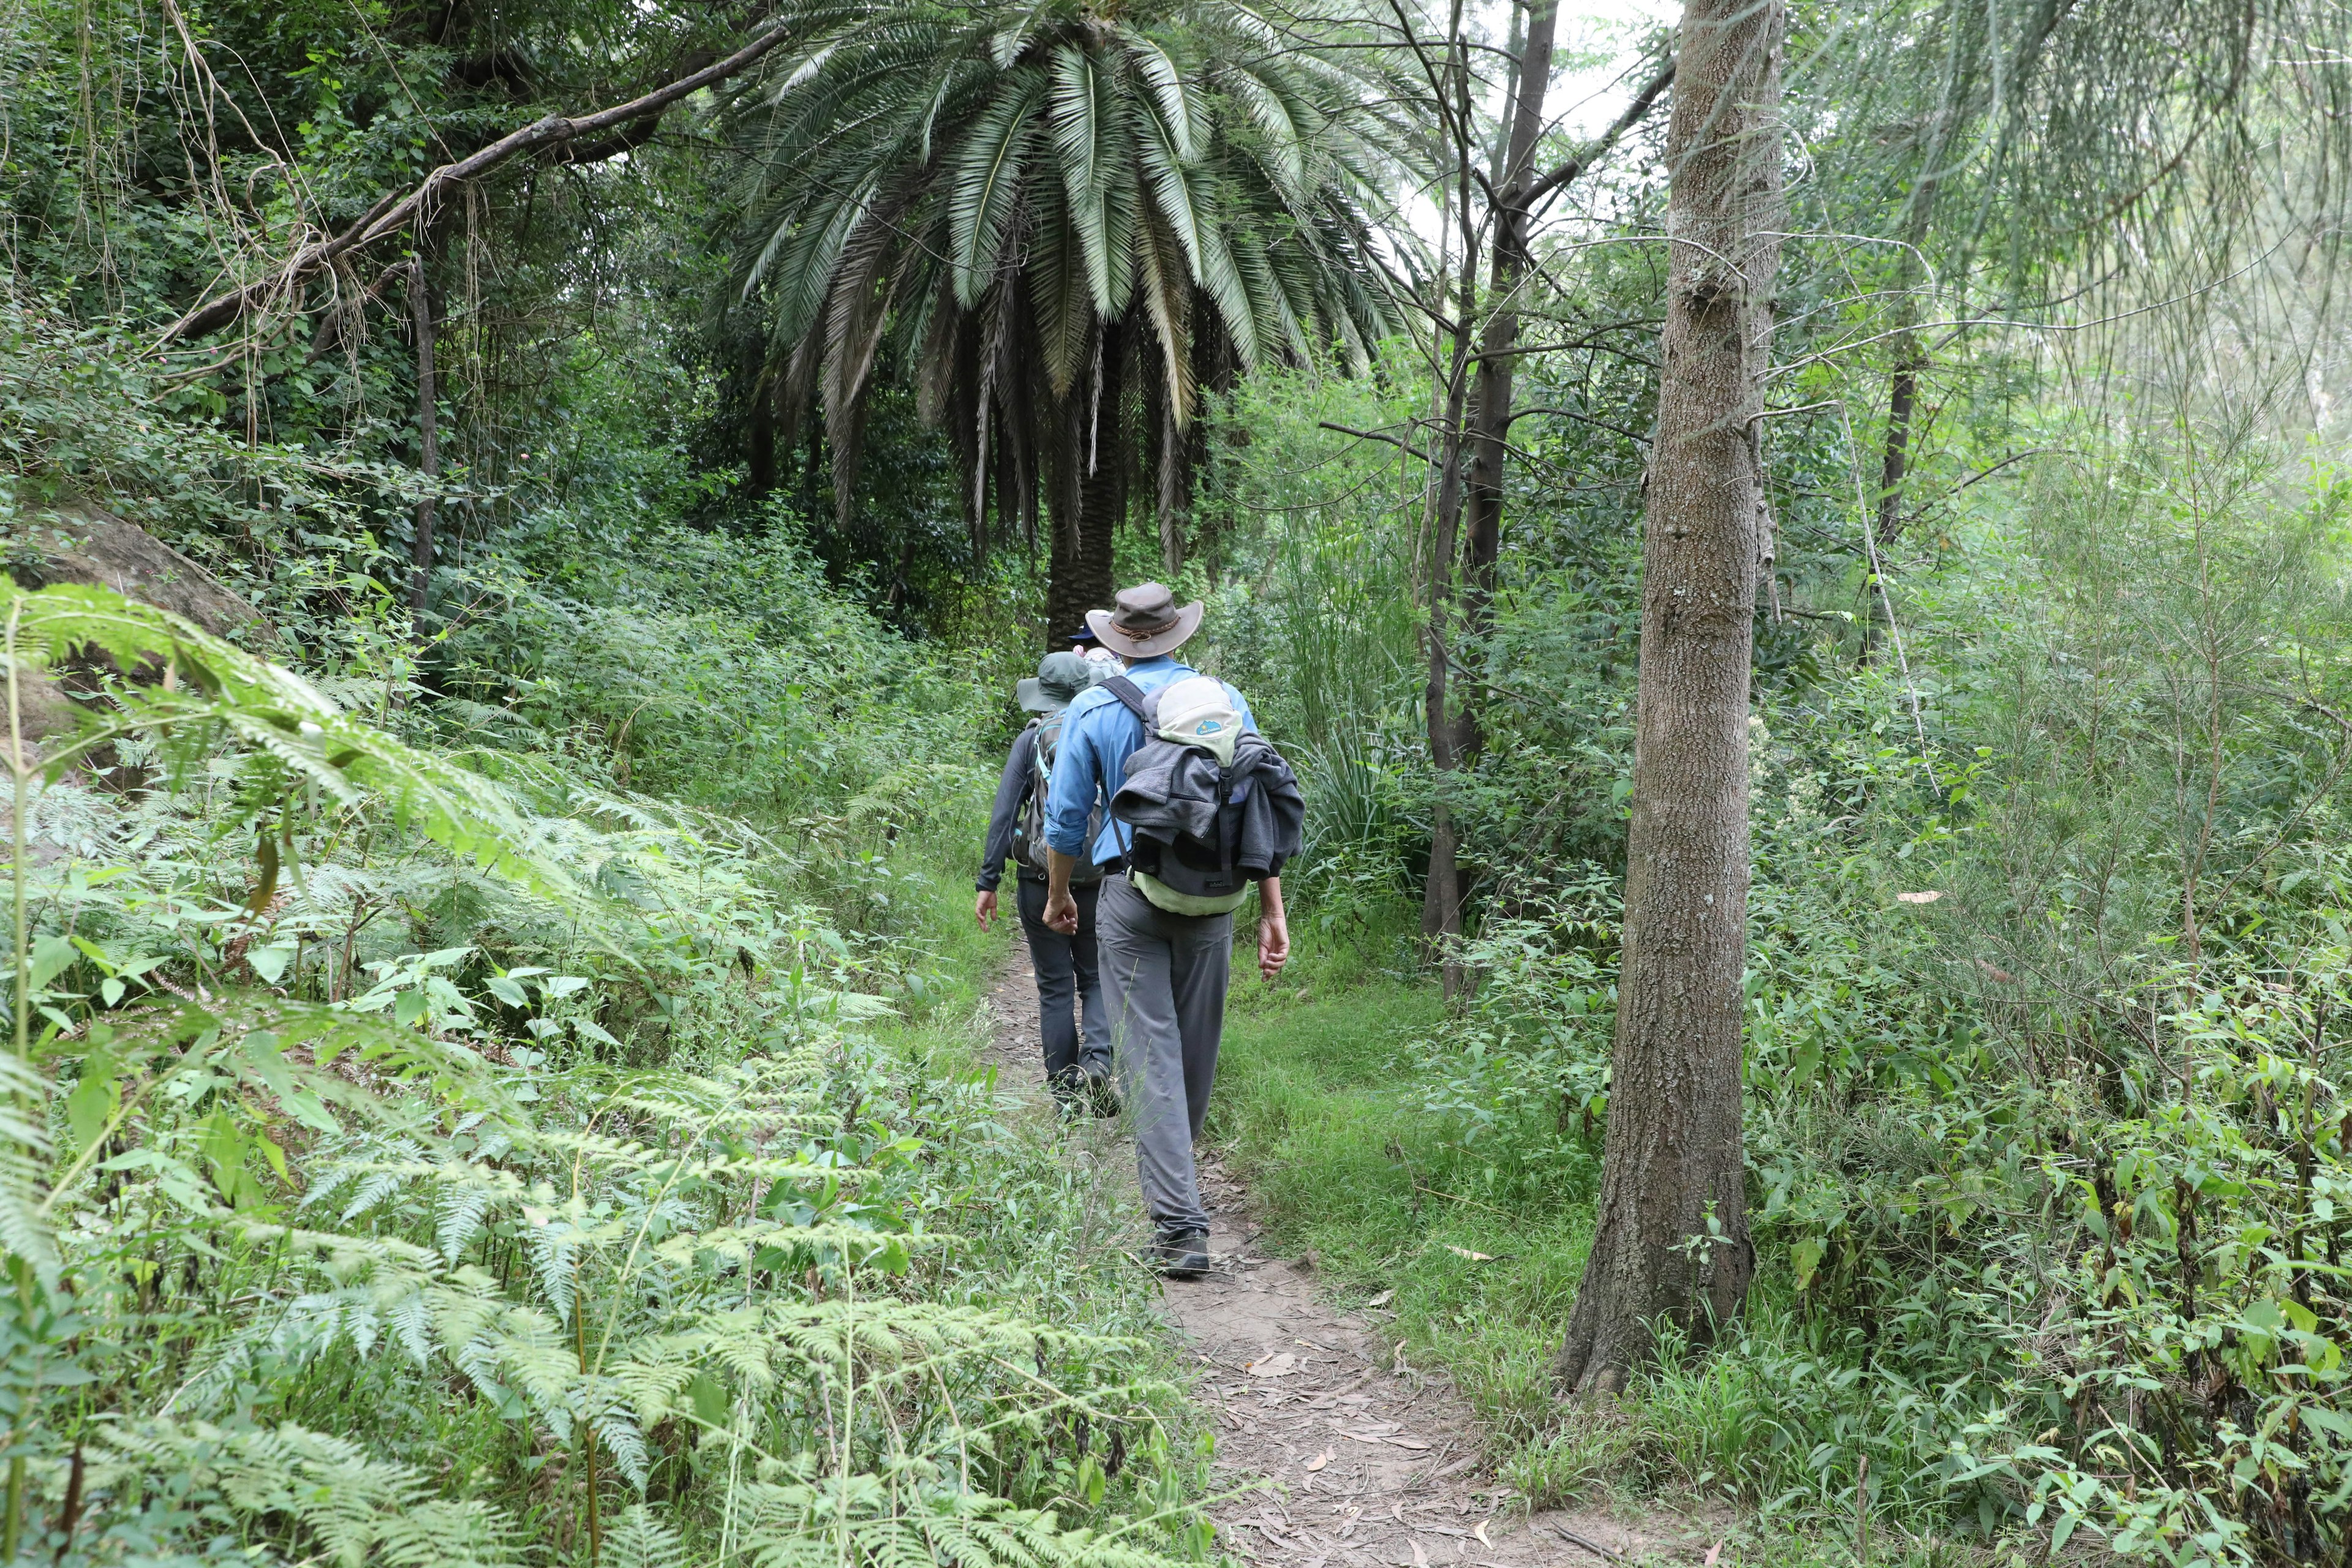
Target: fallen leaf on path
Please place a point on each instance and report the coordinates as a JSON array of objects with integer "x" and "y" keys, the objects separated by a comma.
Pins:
[
  {"x": 1363, "y": 1437},
  {"x": 1713, "y": 1552},
  {"x": 1413, "y": 1443},
  {"x": 1481, "y": 1533},
  {"x": 1382, "y": 1300},
  {"x": 1473, "y": 1256},
  {"x": 1319, "y": 1461},
  {"x": 1420, "y": 1558},
  {"x": 1280, "y": 1366}
]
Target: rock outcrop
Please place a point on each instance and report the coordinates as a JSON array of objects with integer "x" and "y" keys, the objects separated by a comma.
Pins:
[{"x": 76, "y": 542}]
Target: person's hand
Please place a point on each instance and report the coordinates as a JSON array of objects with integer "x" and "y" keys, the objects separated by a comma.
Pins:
[
  {"x": 1273, "y": 943},
  {"x": 1062, "y": 913},
  {"x": 983, "y": 907}
]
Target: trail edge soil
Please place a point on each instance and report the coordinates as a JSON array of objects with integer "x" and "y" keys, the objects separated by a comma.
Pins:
[{"x": 1338, "y": 1450}]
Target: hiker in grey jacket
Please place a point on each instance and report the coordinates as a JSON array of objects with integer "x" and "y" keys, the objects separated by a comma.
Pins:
[{"x": 1078, "y": 1063}]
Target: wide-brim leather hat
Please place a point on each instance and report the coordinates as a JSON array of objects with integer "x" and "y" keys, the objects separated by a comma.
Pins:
[{"x": 1147, "y": 622}]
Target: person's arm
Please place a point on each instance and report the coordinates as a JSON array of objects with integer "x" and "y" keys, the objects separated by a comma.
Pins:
[
  {"x": 1077, "y": 777},
  {"x": 1061, "y": 908},
  {"x": 1011, "y": 793},
  {"x": 1273, "y": 930}
]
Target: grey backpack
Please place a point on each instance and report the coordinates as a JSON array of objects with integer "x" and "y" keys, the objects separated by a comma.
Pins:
[{"x": 1029, "y": 831}]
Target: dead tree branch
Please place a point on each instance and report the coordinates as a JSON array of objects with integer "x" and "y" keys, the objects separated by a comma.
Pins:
[{"x": 391, "y": 214}]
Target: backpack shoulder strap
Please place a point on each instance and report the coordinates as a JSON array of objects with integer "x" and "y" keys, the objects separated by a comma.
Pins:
[{"x": 1130, "y": 696}]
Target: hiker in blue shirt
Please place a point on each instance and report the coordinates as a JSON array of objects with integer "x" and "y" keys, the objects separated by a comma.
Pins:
[{"x": 1164, "y": 975}]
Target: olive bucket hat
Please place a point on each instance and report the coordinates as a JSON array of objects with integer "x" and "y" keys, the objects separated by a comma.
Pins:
[{"x": 1060, "y": 677}]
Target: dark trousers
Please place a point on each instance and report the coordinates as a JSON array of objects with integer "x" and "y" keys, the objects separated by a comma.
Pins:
[{"x": 1067, "y": 979}]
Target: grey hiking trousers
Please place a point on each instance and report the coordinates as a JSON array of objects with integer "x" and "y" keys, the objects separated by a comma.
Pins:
[{"x": 1164, "y": 979}]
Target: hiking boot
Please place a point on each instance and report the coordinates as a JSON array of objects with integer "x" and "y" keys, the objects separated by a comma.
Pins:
[
  {"x": 1102, "y": 1093},
  {"x": 1183, "y": 1255},
  {"x": 1069, "y": 1091}
]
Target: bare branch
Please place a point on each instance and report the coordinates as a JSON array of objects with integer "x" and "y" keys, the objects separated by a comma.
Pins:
[
  {"x": 389, "y": 215},
  {"x": 1635, "y": 112}
]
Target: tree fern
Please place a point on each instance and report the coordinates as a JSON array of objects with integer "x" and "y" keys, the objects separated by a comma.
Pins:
[
  {"x": 716, "y": 1273},
  {"x": 326, "y": 1494}
]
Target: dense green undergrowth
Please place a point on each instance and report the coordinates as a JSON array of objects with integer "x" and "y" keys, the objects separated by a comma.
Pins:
[
  {"x": 2047, "y": 1158},
  {"x": 504, "y": 1164}
]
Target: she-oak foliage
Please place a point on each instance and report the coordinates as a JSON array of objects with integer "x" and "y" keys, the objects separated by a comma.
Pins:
[{"x": 1063, "y": 222}]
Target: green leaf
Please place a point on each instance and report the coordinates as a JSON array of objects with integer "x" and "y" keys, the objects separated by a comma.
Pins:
[
  {"x": 270, "y": 962},
  {"x": 1804, "y": 1258},
  {"x": 51, "y": 957},
  {"x": 706, "y": 1399},
  {"x": 988, "y": 179},
  {"x": 93, "y": 1102}
]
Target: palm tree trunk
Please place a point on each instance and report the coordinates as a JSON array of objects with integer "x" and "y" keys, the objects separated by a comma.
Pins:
[
  {"x": 763, "y": 432},
  {"x": 1672, "y": 1236},
  {"x": 1093, "y": 432}
]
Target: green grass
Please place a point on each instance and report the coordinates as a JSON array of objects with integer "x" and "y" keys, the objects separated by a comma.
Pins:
[
  {"x": 1325, "y": 1106},
  {"x": 1319, "y": 1107}
]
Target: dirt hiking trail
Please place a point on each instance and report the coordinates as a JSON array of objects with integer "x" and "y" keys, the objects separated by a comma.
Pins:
[{"x": 1349, "y": 1455}]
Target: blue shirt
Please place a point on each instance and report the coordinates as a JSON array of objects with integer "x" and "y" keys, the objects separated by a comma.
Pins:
[{"x": 1098, "y": 734}]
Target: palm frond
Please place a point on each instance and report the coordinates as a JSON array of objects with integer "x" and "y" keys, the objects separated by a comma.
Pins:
[{"x": 988, "y": 180}]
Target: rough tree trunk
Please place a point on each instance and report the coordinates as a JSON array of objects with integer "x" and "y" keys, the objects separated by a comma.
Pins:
[
  {"x": 1441, "y": 903},
  {"x": 1490, "y": 404},
  {"x": 429, "y": 434},
  {"x": 1672, "y": 1238},
  {"x": 1910, "y": 358},
  {"x": 1080, "y": 560},
  {"x": 1901, "y": 398},
  {"x": 1455, "y": 737}
]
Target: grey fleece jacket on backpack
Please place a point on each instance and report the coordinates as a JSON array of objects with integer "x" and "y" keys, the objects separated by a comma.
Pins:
[{"x": 1204, "y": 830}]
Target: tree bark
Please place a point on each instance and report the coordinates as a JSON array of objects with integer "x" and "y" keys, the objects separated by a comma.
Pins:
[
  {"x": 762, "y": 435},
  {"x": 1490, "y": 405},
  {"x": 428, "y": 433},
  {"x": 1080, "y": 560},
  {"x": 1516, "y": 192},
  {"x": 1901, "y": 398},
  {"x": 1672, "y": 1236},
  {"x": 1455, "y": 737},
  {"x": 1441, "y": 903}
]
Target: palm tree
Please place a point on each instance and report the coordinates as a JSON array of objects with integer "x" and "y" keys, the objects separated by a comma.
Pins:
[{"x": 1063, "y": 219}]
